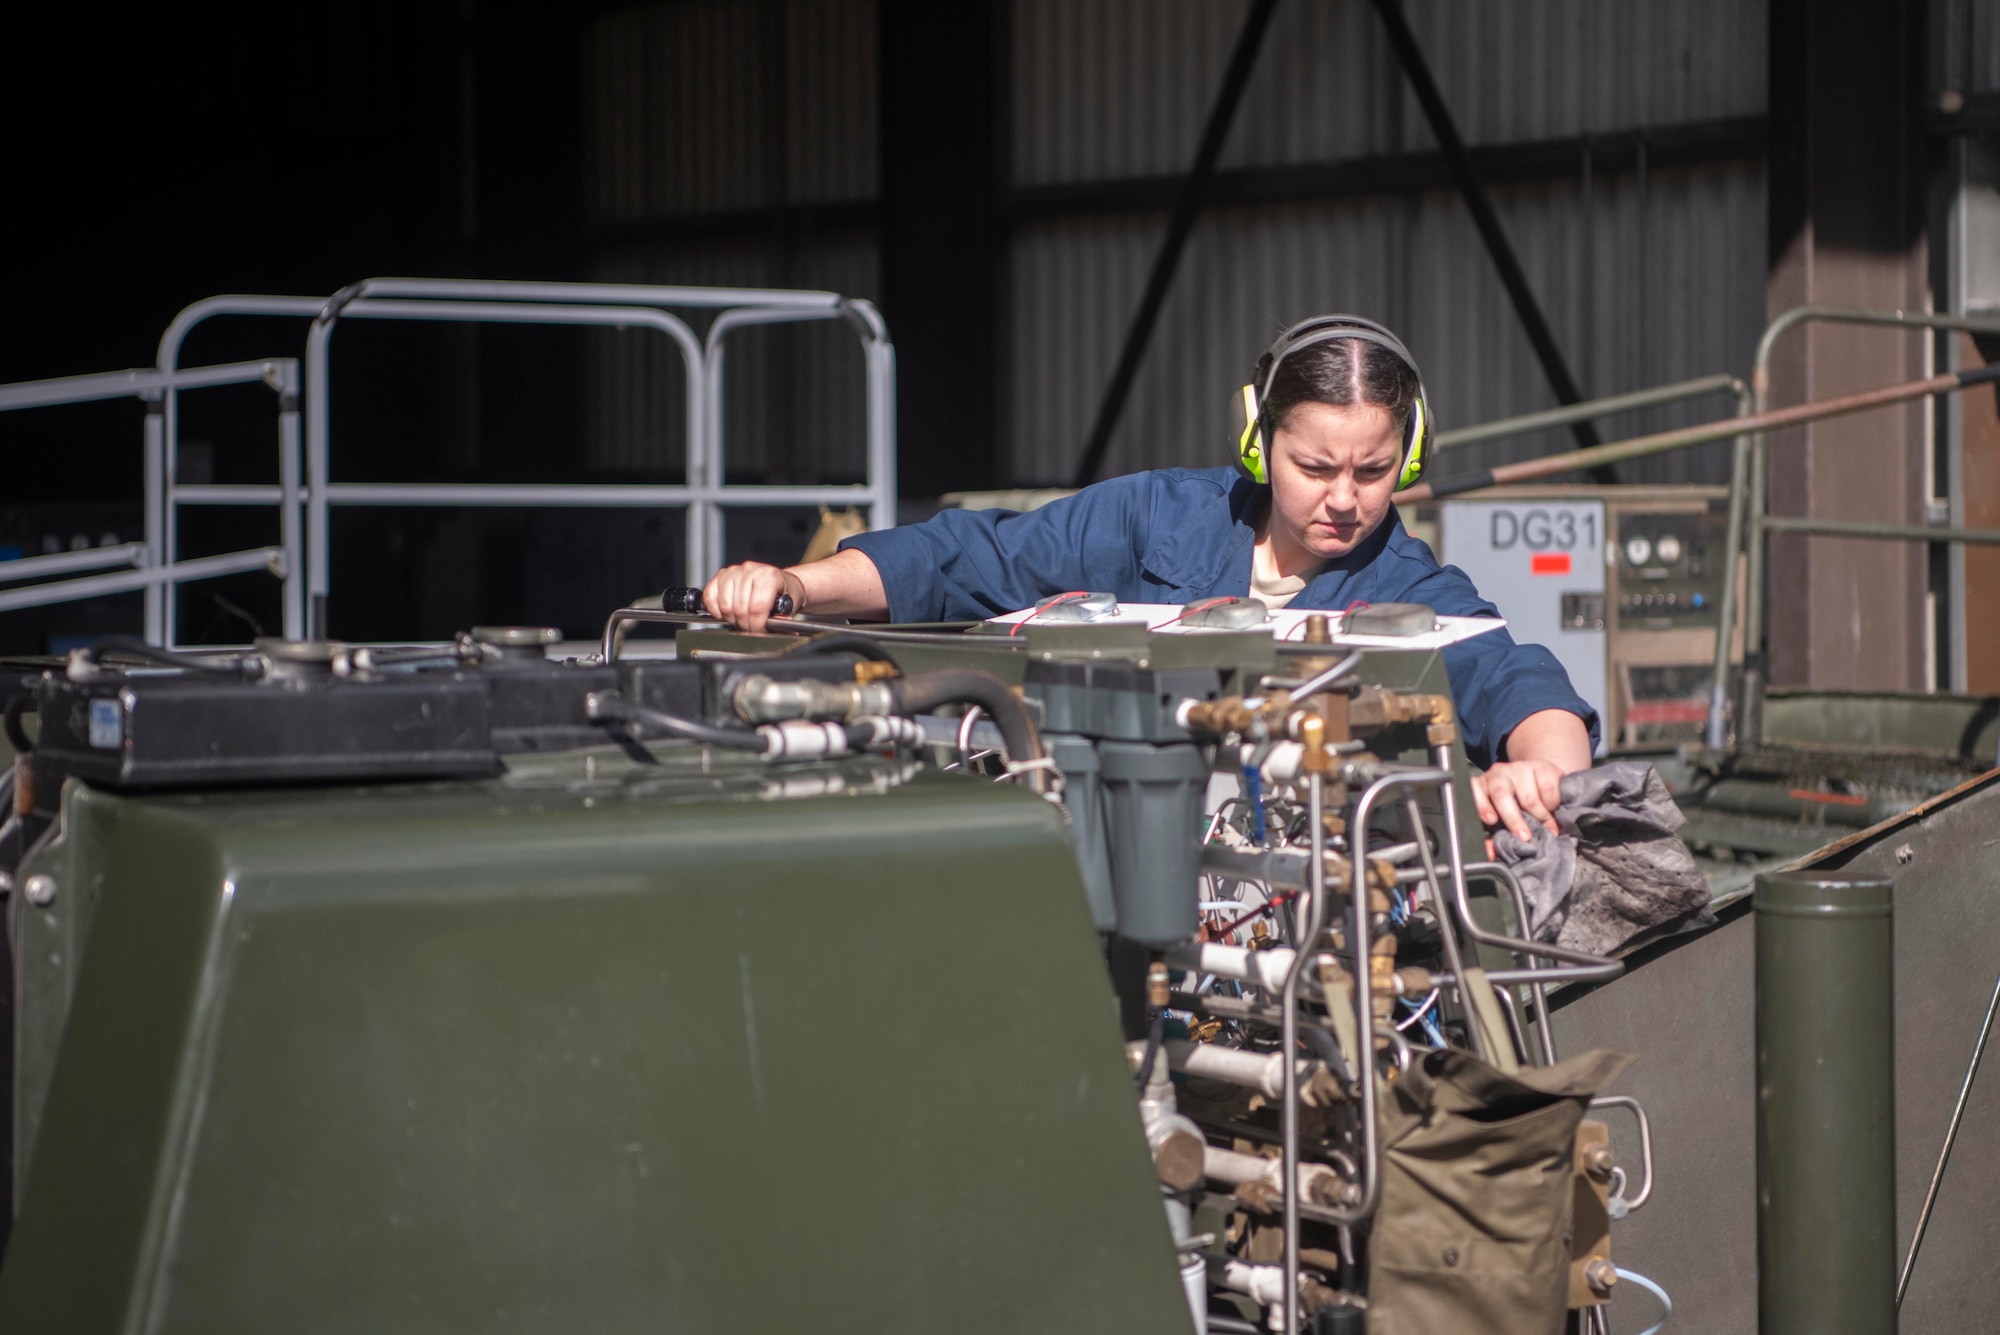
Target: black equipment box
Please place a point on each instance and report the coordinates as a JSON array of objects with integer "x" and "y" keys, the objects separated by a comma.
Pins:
[{"x": 176, "y": 729}]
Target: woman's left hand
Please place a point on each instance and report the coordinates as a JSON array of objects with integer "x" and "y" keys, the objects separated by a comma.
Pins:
[{"x": 1517, "y": 793}]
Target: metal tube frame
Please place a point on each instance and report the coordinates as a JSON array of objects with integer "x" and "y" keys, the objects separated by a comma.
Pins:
[
  {"x": 1454, "y": 954},
  {"x": 1749, "y": 710},
  {"x": 1305, "y": 948},
  {"x": 163, "y": 451},
  {"x": 879, "y": 362},
  {"x": 319, "y": 499},
  {"x": 1944, "y": 1153},
  {"x": 704, "y": 539},
  {"x": 147, "y": 577},
  {"x": 62, "y": 563},
  {"x": 1632, "y": 1105},
  {"x": 157, "y": 387},
  {"x": 1715, "y": 731},
  {"x": 1608, "y": 406}
]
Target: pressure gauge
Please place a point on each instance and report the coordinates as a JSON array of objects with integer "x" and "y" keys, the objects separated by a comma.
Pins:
[
  {"x": 1638, "y": 550},
  {"x": 1668, "y": 549}
]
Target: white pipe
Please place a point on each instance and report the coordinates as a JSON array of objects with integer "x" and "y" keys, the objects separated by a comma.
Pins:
[
  {"x": 1317, "y": 1182},
  {"x": 1263, "y": 1284},
  {"x": 1265, "y": 968},
  {"x": 1261, "y": 1071}
]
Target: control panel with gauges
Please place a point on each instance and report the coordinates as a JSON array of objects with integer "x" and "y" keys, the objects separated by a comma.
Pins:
[
  {"x": 1623, "y": 584},
  {"x": 1669, "y": 568}
]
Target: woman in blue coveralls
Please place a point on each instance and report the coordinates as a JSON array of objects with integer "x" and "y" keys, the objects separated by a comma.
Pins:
[{"x": 1336, "y": 423}]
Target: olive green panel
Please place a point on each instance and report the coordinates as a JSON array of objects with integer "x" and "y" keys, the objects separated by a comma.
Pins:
[
  {"x": 560, "y": 1054},
  {"x": 1954, "y": 725},
  {"x": 1826, "y": 1106},
  {"x": 49, "y": 941},
  {"x": 1687, "y": 1006}
]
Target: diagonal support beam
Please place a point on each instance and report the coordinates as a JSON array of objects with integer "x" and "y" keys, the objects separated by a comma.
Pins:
[
  {"x": 1235, "y": 80},
  {"x": 1445, "y": 131}
]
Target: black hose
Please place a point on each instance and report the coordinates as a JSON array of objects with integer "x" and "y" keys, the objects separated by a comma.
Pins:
[
  {"x": 1328, "y": 1051},
  {"x": 131, "y": 646},
  {"x": 841, "y": 642},
  {"x": 1156, "y": 1034},
  {"x": 607, "y": 706},
  {"x": 16, "y": 737},
  {"x": 927, "y": 690}
]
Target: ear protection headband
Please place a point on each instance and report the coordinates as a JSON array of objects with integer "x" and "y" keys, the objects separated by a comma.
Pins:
[{"x": 1254, "y": 447}]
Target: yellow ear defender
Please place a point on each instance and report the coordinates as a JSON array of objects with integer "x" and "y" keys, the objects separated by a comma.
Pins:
[
  {"x": 1250, "y": 449},
  {"x": 1253, "y": 447}
]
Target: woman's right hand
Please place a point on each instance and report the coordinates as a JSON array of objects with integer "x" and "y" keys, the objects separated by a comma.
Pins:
[{"x": 743, "y": 595}]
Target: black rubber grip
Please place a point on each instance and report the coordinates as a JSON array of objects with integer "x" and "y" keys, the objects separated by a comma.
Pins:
[{"x": 689, "y": 601}]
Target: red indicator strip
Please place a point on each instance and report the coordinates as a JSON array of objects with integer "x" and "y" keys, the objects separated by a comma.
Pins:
[
  {"x": 1836, "y": 799},
  {"x": 1643, "y": 712},
  {"x": 1549, "y": 563}
]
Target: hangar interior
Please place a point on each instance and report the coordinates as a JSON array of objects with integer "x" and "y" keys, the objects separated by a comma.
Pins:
[{"x": 1706, "y": 295}]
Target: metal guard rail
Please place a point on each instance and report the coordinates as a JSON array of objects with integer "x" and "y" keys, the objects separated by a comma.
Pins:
[
  {"x": 155, "y": 576},
  {"x": 612, "y": 305}
]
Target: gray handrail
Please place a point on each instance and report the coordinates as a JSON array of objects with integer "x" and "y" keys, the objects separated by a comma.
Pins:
[
  {"x": 145, "y": 383},
  {"x": 1749, "y": 721},
  {"x": 878, "y": 356},
  {"x": 319, "y": 414},
  {"x": 163, "y": 436},
  {"x": 62, "y": 563},
  {"x": 596, "y": 294},
  {"x": 146, "y": 578},
  {"x": 531, "y": 302},
  {"x": 1611, "y": 405},
  {"x": 157, "y": 388}
]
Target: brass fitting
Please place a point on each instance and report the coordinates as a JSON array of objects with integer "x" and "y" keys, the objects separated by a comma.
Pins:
[
  {"x": 871, "y": 669},
  {"x": 1159, "y": 994},
  {"x": 1598, "y": 1161},
  {"x": 1600, "y": 1274},
  {"x": 1374, "y": 708},
  {"x": 1233, "y": 714},
  {"x": 1312, "y": 736},
  {"x": 1382, "y": 982}
]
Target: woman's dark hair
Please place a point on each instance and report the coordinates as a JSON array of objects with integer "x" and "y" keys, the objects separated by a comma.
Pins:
[{"x": 1342, "y": 372}]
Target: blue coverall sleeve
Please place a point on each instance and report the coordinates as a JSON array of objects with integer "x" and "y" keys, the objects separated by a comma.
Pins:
[
  {"x": 1496, "y": 682},
  {"x": 972, "y": 564}
]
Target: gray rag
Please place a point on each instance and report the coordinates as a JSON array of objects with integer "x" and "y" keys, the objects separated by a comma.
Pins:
[{"x": 1617, "y": 872}]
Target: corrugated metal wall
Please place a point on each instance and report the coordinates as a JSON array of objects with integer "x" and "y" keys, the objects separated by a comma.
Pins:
[
  {"x": 1665, "y": 282},
  {"x": 758, "y": 109},
  {"x": 1965, "y": 46},
  {"x": 733, "y": 107},
  {"x": 706, "y": 106},
  {"x": 1107, "y": 88}
]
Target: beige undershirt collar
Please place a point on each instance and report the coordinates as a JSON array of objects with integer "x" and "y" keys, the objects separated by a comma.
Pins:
[{"x": 1270, "y": 588}]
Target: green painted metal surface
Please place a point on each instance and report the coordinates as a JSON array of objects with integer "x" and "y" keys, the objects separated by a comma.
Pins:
[
  {"x": 1826, "y": 1104},
  {"x": 702, "y": 1047},
  {"x": 1952, "y": 725}
]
